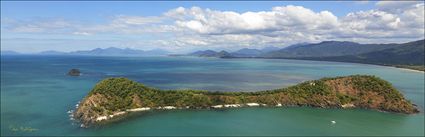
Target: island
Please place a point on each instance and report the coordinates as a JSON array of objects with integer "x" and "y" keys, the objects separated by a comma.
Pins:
[
  {"x": 116, "y": 97},
  {"x": 74, "y": 72}
]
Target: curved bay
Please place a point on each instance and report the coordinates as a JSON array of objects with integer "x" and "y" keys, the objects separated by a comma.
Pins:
[{"x": 36, "y": 93}]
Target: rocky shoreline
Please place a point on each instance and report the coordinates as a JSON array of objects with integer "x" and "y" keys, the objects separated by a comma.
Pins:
[{"x": 215, "y": 107}]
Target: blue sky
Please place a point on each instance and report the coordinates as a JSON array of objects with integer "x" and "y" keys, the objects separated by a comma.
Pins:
[
  {"x": 68, "y": 26},
  {"x": 88, "y": 10}
]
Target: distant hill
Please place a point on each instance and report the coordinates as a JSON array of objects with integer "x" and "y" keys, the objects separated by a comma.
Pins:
[
  {"x": 297, "y": 45},
  {"x": 52, "y": 52},
  {"x": 9, "y": 52},
  {"x": 326, "y": 49},
  {"x": 407, "y": 55},
  {"x": 246, "y": 52},
  {"x": 224, "y": 54},
  {"x": 112, "y": 51},
  {"x": 411, "y": 53},
  {"x": 204, "y": 53},
  {"x": 210, "y": 53},
  {"x": 269, "y": 49}
]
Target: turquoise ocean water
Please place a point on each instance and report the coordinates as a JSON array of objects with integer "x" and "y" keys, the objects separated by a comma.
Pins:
[{"x": 36, "y": 93}]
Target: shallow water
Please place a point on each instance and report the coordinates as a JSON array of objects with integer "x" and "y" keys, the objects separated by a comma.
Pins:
[{"x": 36, "y": 93}]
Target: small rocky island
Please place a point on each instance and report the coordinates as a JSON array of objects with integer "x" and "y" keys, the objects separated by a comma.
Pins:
[
  {"x": 114, "y": 97},
  {"x": 74, "y": 72}
]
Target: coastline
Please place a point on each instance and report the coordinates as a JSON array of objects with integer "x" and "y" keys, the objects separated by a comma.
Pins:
[
  {"x": 123, "y": 114},
  {"x": 409, "y": 69},
  {"x": 404, "y": 67}
]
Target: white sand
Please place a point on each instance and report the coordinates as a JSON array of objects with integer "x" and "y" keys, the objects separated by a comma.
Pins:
[
  {"x": 347, "y": 105},
  {"x": 411, "y": 70},
  {"x": 252, "y": 104},
  {"x": 232, "y": 105},
  {"x": 169, "y": 107},
  {"x": 101, "y": 118},
  {"x": 139, "y": 109},
  {"x": 217, "y": 106}
]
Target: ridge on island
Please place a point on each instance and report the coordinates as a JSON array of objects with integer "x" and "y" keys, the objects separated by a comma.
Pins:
[{"x": 117, "y": 96}]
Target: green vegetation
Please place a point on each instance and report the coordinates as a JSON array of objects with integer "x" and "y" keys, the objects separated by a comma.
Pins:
[
  {"x": 408, "y": 55},
  {"x": 120, "y": 94}
]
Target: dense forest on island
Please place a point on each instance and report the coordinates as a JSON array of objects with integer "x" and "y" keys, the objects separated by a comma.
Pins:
[{"x": 114, "y": 95}]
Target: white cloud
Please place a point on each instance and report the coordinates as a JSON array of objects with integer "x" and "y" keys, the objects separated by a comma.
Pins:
[
  {"x": 280, "y": 26},
  {"x": 129, "y": 25},
  {"x": 292, "y": 24},
  {"x": 41, "y": 25},
  {"x": 387, "y": 22},
  {"x": 136, "y": 20},
  {"x": 82, "y": 33},
  {"x": 118, "y": 24},
  {"x": 206, "y": 21},
  {"x": 414, "y": 16},
  {"x": 371, "y": 20},
  {"x": 395, "y": 6}
]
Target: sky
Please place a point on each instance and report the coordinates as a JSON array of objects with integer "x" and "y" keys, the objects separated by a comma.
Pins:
[{"x": 181, "y": 27}]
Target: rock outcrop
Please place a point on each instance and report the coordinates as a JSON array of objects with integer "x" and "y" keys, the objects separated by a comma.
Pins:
[{"x": 74, "y": 72}]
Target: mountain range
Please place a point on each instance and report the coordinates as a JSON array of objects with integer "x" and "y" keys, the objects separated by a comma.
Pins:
[
  {"x": 8, "y": 52},
  {"x": 244, "y": 52},
  {"x": 327, "y": 48},
  {"x": 410, "y": 54},
  {"x": 111, "y": 51},
  {"x": 403, "y": 54}
]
